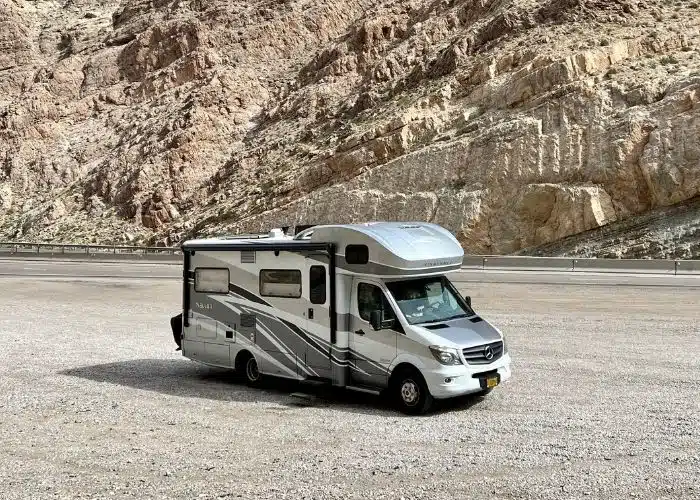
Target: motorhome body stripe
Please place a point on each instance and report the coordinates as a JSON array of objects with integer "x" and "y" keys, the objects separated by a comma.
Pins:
[
  {"x": 308, "y": 338},
  {"x": 267, "y": 331},
  {"x": 319, "y": 345},
  {"x": 246, "y": 294},
  {"x": 313, "y": 341},
  {"x": 278, "y": 343}
]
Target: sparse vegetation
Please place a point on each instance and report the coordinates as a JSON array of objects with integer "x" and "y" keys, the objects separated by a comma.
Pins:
[{"x": 665, "y": 60}]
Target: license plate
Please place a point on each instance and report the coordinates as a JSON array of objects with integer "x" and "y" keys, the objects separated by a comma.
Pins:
[{"x": 491, "y": 382}]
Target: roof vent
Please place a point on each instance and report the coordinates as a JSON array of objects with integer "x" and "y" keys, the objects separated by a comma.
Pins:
[{"x": 276, "y": 233}]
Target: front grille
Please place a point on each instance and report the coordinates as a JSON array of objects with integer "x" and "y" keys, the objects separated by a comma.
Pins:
[{"x": 477, "y": 355}]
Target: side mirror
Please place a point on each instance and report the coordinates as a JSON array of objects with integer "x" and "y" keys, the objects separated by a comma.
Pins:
[
  {"x": 376, "y": 319},
  {"x": 468, "y": 300}
]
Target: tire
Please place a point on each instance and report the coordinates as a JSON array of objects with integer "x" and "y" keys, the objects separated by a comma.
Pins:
[
  {"x": 410, "y": 392},
  {"x": 247, "y": 366}
]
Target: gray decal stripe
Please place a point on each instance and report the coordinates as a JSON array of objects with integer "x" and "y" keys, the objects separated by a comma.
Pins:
[
  {"x": 301, "y": 333},
  {"x": 294, "y": 328},
  {"x": 315, "y": 344},
  {"x": 367, "y": 360},
  {"x": 296, "y": 361},
  {"x": 305, "y": 336},
  {"x": 243, "y": 293},
  {"x": 269, "y": 330}
]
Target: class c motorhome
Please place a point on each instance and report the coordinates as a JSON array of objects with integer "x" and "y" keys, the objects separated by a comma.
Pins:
[{"x": 365, "y": 306}]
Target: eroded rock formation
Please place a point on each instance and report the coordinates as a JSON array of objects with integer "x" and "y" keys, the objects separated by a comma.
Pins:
[{"x": 514, "y": 123}]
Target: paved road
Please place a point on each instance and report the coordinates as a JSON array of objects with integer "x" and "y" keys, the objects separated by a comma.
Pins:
[
  {"x": 139, "y": 269},
  {"x": 52, "y": 268}
]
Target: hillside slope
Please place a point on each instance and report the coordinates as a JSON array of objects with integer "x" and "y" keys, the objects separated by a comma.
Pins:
[
  {"x": 514, "y": 123},
  {"x": 663, "y": 233}
]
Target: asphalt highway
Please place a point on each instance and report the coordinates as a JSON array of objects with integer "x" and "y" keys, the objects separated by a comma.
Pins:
[{"x": 52, "y": 268}]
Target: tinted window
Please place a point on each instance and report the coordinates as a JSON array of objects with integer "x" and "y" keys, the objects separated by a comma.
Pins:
[
  {"x": 280, "y": 283},
  {"x": 371, "y": 298},
  {"x": 356, "y": 254},
  {"x": 317, "y": 283},
  {"x": 211, "y": 280}
]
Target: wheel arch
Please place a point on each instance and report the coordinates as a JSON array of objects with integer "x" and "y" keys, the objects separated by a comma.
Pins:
[
  {"x": 241, "y": 356},
  {"x": 403, "y": 366}
]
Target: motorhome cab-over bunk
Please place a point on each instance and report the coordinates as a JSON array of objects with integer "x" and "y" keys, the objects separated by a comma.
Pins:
[{"x": 361, "y": 306}]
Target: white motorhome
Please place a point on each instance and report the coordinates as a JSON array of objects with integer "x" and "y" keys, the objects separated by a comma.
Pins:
[{"x": 361, "y": 306}]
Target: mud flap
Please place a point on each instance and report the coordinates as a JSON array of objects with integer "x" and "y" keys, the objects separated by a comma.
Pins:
[{"x": 176, "y": 327}]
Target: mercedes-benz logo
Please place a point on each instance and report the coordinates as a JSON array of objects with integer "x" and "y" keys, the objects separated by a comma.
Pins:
[{"x": 488, "y": 352}]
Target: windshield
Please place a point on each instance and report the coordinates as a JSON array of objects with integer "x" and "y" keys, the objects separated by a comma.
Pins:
[{"x": 428, "y": 300}]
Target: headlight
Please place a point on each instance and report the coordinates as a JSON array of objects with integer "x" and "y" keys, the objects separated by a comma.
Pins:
[{"x": 446, "y": 355}]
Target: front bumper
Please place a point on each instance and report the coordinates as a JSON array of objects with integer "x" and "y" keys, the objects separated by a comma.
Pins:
[{"x": 461, "y": 378}]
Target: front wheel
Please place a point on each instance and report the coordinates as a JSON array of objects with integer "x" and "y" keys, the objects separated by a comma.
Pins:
[{"x": 411, "y": 392}]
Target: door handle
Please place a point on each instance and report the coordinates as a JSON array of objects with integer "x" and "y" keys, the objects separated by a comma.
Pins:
[{"x": 359, "y": 332}]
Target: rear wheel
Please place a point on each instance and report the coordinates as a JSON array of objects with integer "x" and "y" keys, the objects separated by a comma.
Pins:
[
  {"x": 247, "y": 365},
  {"x": 410, "y": 392}
]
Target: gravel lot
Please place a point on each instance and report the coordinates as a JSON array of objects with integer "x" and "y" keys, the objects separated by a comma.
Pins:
[{"x": 604, "y": 403}]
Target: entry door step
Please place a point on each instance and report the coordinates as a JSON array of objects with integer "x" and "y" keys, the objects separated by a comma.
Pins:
[
  {"x": 303, "y": 399},
  {"x": 367, "y": 390}
]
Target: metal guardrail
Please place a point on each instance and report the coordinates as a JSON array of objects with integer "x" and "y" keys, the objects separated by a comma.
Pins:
[
  {"x": 22, "y": 249},
  {"x": 570, "y": 264},
  {"x": 483, "y": 262}
]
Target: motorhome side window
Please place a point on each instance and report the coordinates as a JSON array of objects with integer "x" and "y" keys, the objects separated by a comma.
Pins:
[
  {"x": 280, "y": 283},
  {"x": 371, "y": 298},
  {"x": 317, "y": 283},
  {"x": 356, "y": 254},
  {"x": 211, "y": 280}
]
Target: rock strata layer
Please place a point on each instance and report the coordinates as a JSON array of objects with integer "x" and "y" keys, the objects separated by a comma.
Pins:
[{"x": 513, "y": 123}]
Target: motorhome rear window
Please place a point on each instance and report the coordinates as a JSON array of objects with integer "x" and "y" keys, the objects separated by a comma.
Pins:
[
  {"x": 356, "y": 254},
  {"x": 211, "y": 280},
  {"x": 280, "y": 283}
]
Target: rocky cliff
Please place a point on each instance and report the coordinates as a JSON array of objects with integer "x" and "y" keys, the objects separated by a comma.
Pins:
[{"x": 514, "y": 123}]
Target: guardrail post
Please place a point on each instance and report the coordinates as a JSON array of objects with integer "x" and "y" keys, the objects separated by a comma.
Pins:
[
  {"x": 675, "y": 270},
  {"x": 573, "y": 265}
]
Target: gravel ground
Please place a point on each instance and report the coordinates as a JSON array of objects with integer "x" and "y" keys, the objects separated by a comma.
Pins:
[{"x": 96, "y": 403}]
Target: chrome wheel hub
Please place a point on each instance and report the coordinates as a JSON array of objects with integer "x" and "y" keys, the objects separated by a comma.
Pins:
[{"x": 410, "y": 393}]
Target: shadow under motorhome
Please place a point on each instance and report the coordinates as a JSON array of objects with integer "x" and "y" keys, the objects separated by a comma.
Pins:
[{"x": 367, "y": 307}]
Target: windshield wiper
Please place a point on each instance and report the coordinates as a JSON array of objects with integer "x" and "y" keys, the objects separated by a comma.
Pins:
[
  {"x": 441, "y": 320},
  {"x": 456, "y": 317}
]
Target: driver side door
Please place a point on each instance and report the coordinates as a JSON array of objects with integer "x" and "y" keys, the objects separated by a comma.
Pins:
[{"x": 371, "y": 351}]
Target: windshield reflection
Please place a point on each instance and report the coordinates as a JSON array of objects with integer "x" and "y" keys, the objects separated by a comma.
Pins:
[{"x": 428, "y": 300}]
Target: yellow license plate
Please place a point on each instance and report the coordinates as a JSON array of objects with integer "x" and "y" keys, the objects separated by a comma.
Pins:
[{"x": 491, "y": 382}]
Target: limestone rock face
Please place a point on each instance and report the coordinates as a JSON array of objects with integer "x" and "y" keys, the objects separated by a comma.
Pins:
[{"x": 514, "y": 123}]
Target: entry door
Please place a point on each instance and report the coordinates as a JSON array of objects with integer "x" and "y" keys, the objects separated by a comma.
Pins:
[
  {"x": 371, "y": 352},
  {"x": 316, "y": 286}
]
